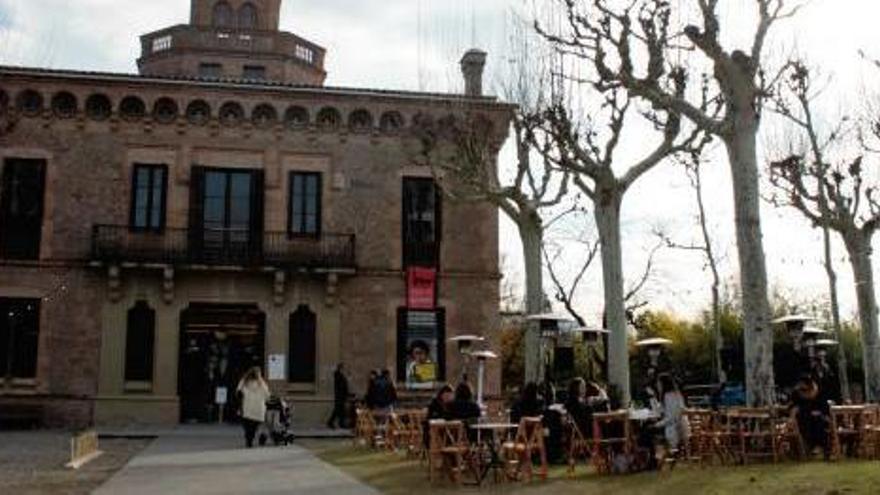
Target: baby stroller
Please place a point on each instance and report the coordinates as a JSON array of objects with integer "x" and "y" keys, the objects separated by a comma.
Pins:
[{"x": 278, "y": 421}]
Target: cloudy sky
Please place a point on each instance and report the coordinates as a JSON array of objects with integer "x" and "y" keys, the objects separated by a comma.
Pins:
[{"x": 415, "y": 44}]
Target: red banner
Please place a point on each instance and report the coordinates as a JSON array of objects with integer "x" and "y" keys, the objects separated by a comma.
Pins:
[{"x": 421, "y": 288}]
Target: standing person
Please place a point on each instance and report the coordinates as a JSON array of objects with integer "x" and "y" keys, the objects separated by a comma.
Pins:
[
  {"x": 578, "y": 408},
  {"x": 370, "y": 396},
  {"x": 385, "y": 393},
  {"x": 674, "y": 423},
  {"x": 813, "y": 415},
  {"x": 340, "y": 398},
  {"x": 254, "y": 394}
]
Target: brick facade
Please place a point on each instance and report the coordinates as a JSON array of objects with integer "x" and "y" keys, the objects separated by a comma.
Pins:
[{"x": 362, "y": 153}]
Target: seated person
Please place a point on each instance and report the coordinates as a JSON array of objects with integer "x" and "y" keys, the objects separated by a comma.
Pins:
[
  {"x": 529, "y": 405},
  {"x": 464, "y": 407},
  {"x": 439, "y": 408},
  {"x": 578, "y": 407},
  {"x": 812, "y": 414},
  {"x": 597, "y": 398}
]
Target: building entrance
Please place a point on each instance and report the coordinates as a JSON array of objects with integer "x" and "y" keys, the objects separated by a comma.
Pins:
[{"x": 218, "y": 343}]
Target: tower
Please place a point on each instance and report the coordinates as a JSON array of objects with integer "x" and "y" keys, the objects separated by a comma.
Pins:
[{"x": 233, "y": 39}]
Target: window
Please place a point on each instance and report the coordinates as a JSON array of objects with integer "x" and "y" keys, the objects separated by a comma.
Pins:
[
  {"x": 222, "y": 15},
  {"x": 21, "y": 208},
  {"x": 304, "y": 215},
  {"x": 226, "y": 215},
  {"x": 162, "y": 43},
  {"x": 254, "y": 72},
  {"x": 213, "y": 71},
  {"x": 302, "y": 341},
  {"x": 139, "y": 341},
  {"x": 421, "y": 349},
  {"x": 148, "y": 187},
  {"x": 421, "y": 222},
  {"x": 19, "y": 332},
  {"x": 305, "y": 54},
  {"x": 247, "y": 16}
]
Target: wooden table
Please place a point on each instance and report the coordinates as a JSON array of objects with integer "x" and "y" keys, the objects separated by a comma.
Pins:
[{"x": 494, "y": 462}]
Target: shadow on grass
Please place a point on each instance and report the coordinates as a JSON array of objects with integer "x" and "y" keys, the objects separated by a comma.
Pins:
[{"x": 393, "y": 474}]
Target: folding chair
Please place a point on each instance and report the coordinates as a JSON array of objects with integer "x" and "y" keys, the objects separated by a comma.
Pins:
[
  {"x": 612, "y": 435},
  {"x": 519, "y": 455},
  {"x": 699, "y": 445},
  {"x": 871, "y": 432},
  {"x": 579, "y": 447},
  {"x": 846, "y": 430},
  {"x": 365, "y": 428},
  {"x": 756, "y": 430}
]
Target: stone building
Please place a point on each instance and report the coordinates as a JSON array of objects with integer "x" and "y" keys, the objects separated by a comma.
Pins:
[{"x": 162, "y": 232}]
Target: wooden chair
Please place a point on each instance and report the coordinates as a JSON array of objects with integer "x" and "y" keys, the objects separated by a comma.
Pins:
[
  {"x": 519, "y": 455},
  {"x": 397, "y": 432},
  {"x": 365, "y": 428},
  {"x": 871, "y": 432},
  {"x": 415, "y": 444},
  {"x": 846, "y": 430},
  {"x": 579, "y": 447},
  {"x": 612, "y": 435},
  {"x": 699, "y": 447},
  {"x": 788, "y": 437},
  {"x": 757, "y": 434},
  {"x": 448, "y": 450}
]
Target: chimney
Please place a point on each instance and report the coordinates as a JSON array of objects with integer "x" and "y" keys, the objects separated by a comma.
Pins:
[{"x": 472, "y": 65}]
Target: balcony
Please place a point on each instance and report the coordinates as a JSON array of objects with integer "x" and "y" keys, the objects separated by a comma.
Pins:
[{"x": 118, "y": 244}]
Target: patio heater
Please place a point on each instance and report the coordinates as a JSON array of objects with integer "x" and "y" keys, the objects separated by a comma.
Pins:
[
  {"x": 654, "y": 347},
  {"x": 465, "y": 343},
  {"x": 591, "y": 339},
  {"x": 794, "y": 326},
  {"x": 550, "y": 326},
  {"x": 482, "y": 357},
  {"x": 810, "y": 337}
]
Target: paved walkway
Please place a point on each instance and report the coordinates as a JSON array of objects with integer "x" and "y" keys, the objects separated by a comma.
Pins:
[{"x": 211, "y": 460}]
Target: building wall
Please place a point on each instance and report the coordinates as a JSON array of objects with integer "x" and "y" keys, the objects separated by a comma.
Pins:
[{"x": 89, "y": 169}]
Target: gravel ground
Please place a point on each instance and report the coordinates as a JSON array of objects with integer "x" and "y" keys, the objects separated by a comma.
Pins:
[{"x": 33, "y": 463}]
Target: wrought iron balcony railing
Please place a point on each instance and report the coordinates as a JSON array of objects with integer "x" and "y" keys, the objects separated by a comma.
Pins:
[{"x": 223, "y": 247}]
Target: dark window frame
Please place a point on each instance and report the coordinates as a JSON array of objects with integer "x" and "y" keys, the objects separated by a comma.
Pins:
[
  {"x": 15, "y": 229},
  {"x": 140, "y": 360},
  {"x": 148, "y": 227},
  {"x": 413, "y": 254},
  {"x": 11, "y": 355},
  {"x": 291, "y": 233},
  {"x": 211, "y": 70},
  {"x": 248, "y": 72},
  {"x": 297, "y": 373}
]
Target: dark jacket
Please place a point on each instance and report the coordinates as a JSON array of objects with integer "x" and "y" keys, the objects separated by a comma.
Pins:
[
  {"x": 340, "y": 387},
  {"x": 384, "y": 394},
  {"x": 582, "y": 414},
  {"x": 526, "y": 409},
  {"x": 437, "y": 410},
  {"x": 465, "y": 410}
]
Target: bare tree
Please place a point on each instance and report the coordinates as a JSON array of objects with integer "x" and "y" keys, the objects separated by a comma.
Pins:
[
  {"x": 588, "y": 152},
  {"x": 836, "y": 198},
  {"x": 693, "y": 166},
  {"x": 634, "y": 47}
]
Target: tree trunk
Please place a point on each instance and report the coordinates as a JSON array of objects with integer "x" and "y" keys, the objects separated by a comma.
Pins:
[
  {"x": 531, "y": 234},
  {"x": 859, "y": 247},
  {"x": 835, "y": 316},
  {"x": 758, "y": 334},
  {"x": 607, "y": 214}
]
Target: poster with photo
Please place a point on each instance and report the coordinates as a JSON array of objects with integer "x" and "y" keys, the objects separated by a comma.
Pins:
[{"x": 421, "y": 349}]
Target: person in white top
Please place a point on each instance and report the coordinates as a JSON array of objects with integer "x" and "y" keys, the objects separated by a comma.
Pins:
[
  {"x": 674, "y": 423},
  {"x": 254, "y": 393}
]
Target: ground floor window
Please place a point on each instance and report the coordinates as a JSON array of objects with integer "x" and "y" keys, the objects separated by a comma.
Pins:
[
  {"x": 139, "y": 343},
  {"x": 19, "y": 337},
  {"x": 421, "y": 349},
  {"x": 302, "y": 346}
]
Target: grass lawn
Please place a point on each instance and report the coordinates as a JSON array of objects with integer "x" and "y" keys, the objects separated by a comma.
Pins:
[{"x": 392, "y": 474}]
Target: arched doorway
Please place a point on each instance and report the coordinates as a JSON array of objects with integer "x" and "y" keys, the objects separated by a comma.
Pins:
[{"x": 218, "y": 343}]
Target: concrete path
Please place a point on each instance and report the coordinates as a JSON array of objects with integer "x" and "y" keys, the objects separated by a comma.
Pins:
[{"x": 211, "y": 460}]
